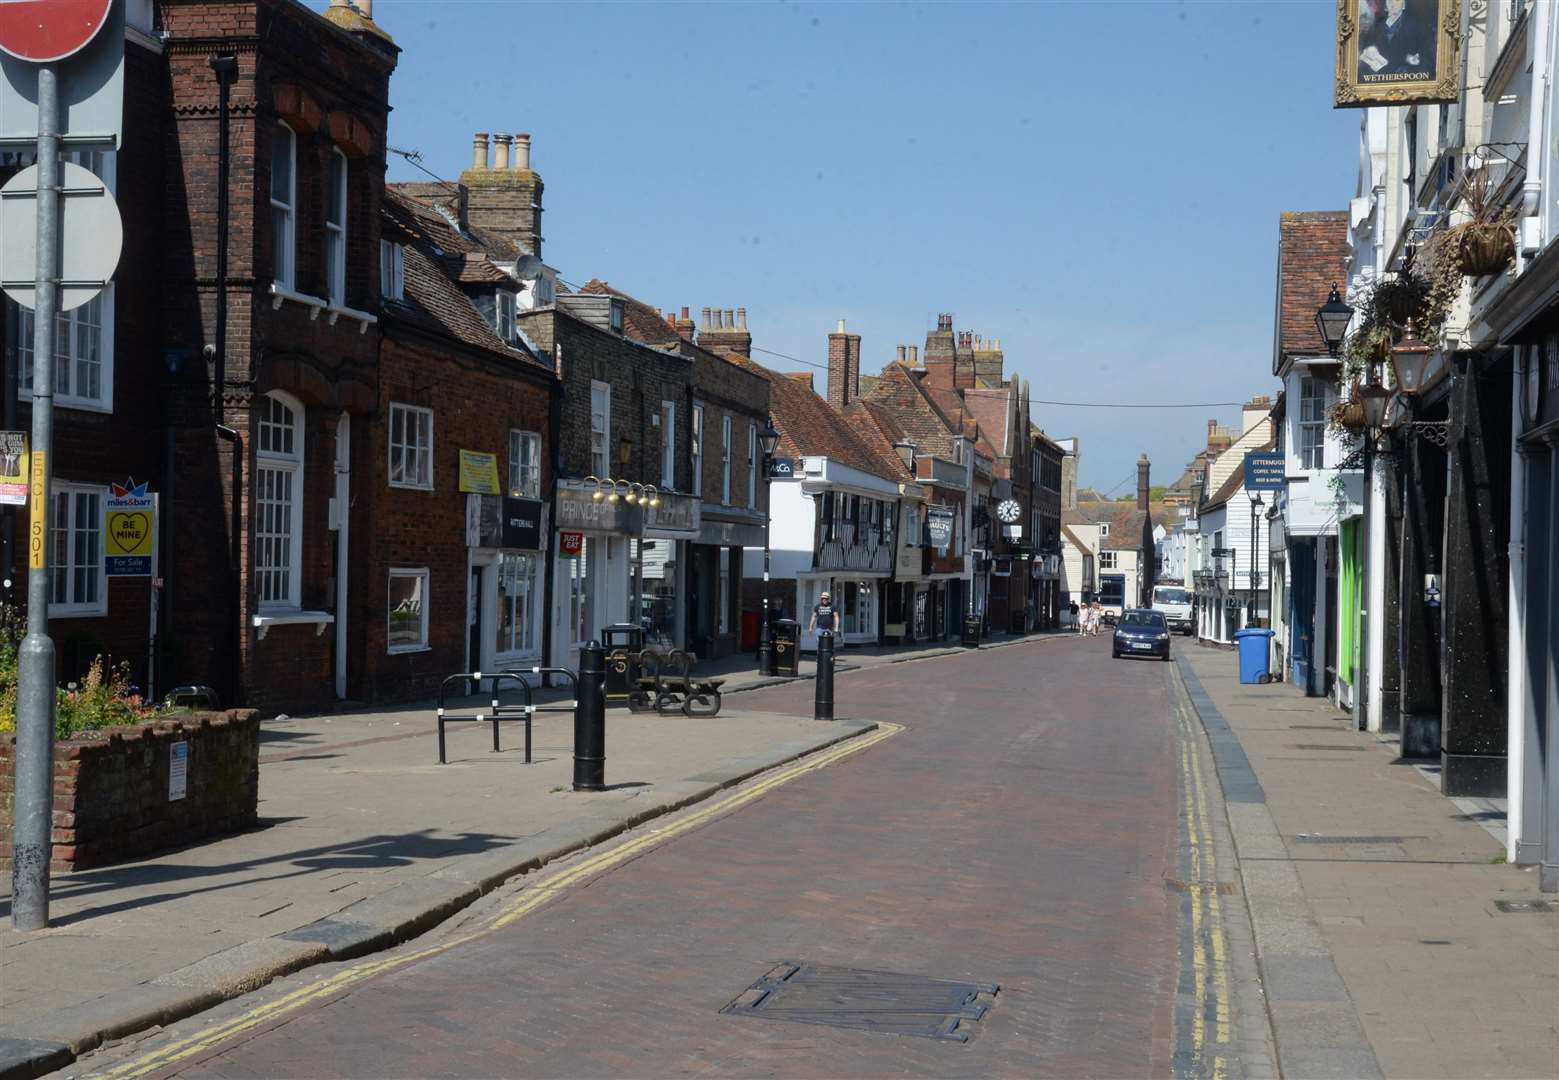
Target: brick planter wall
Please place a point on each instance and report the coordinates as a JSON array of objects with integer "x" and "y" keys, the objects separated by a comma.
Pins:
[{"x": 111, "y": 790}]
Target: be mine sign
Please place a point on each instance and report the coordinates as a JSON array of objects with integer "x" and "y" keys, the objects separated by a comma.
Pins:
[{"x": 131, "y": 528}]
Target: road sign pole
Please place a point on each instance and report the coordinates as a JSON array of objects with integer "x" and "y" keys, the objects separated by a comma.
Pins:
[{"x": 35, "y": 678}]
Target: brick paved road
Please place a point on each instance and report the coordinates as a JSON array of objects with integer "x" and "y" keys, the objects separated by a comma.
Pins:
[{"x": 1018, "y": 832}]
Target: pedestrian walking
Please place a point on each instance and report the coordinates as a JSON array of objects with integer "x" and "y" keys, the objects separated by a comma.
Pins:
[{"x": 825, "y": 618}]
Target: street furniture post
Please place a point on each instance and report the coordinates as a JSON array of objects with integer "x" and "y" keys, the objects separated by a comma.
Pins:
[
  {"x": 35, "y": 666},
  {"x": 590, "y": 720},
  {"x": 823, "y": 706}
]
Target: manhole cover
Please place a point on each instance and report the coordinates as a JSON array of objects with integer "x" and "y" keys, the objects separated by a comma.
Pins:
[
  {"x": 877, "y": 1001},
  {"x": 1519, "y": 907}
]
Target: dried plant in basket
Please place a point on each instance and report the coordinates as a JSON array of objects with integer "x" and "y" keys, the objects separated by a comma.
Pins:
[{"x": 1486, "y": 243}]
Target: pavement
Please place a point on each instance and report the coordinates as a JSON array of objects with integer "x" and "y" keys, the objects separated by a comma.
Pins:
[
  {"x": 1392, "y": 938},
  {"x": 365, "y": 841}
]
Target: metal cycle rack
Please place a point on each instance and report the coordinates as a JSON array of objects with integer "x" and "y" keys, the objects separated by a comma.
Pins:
[{"x": 497, "y": 711}]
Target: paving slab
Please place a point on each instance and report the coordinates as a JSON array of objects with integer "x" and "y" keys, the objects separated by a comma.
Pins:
[{"x": 1373, "y": 897}]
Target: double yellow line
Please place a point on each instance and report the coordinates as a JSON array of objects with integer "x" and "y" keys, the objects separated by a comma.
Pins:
[
  {"x": 546, "y": 888},
  {"x": 1208, "y": 973}
]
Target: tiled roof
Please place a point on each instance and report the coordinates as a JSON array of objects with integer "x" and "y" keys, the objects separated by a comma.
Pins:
[
  {"x": 922, "y": 420},
  {"x": 1312, "y": 257},
  {"x": 809, "y": 426},
  {"x": 641, "y": 322},
  {"x": 1235, "y": 481},
  {"x": 434, "y": 249},
  {"x": 991, "y": 410}
]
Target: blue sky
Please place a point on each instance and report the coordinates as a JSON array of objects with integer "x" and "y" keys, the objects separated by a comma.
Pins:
[{"x": 1097, "y": 184}]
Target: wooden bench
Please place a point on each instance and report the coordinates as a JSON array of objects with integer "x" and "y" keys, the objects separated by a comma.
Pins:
[{"x": 666, "y": 684}]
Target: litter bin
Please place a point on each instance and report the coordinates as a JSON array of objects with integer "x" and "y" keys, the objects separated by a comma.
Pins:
[
  {"x": 971, "y": 638},
  {"x": 1252, "y": 644},
  {"x": 785, "y": 646},
  {"x": 623, "y": 642}
]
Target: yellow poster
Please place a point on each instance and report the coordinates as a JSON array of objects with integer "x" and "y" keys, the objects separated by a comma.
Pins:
[
  {"x": 38, "y": 526},
  {"x": 13, "y": 468},
  {"x": 479, "y": 473}
]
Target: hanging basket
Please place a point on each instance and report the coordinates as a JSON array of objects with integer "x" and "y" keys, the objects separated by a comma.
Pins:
[
  {"x": 1401, "y": 300},
  {"x": 1485, "y": 248},
  {"x": 1348, "y": 415}
]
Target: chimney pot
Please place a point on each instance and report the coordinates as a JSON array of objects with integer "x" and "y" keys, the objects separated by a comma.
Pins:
[
  {"x": 522, "y": 152},
  {"x": 730, "y": 319},
  {"x": 901, "y": 354},
  {"x": 840, "y": 328},
  {"x": 478, "y": 150},
  {"x": 367, "y": 8},
  {"x": 501, "y": 151},
  {"x": 741, "y": 318},
  {"x": 914, "y": 355},
  {"x": 706, "y": 319}
]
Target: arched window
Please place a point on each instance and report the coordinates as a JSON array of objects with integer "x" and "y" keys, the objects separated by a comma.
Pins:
[{"x": 278, "y": 501}]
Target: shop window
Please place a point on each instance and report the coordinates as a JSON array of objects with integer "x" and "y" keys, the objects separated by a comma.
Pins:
[
  {"x": 411, "y": 447},
  {"x": 407, "y": 616},
  {"x": 278, "y": 501},
  {"x": 77, "y": 585},
  {"x": 525, "y": 464},
  {"x": 600, "y": 425},
  {"x": 284, "y": 159},
  {"x": 579, "y": 595},
  {"x": 725, "y": 565},
  {"x": 519, "y": 589},
  {"x": 335, "y": 230}
]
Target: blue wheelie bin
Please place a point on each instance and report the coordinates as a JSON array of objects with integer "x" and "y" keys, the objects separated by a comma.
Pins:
[{"x": 1252, "y": 644}]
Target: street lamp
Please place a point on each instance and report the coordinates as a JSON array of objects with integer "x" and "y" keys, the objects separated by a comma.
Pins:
[
  {"x": 768, "y": 439},
  {"x": 1409, "y": 363},
  {"x": 1332, "y": 320}
]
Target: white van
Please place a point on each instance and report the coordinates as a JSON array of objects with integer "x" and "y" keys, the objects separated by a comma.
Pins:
[{"x": 1174, "y": 602}]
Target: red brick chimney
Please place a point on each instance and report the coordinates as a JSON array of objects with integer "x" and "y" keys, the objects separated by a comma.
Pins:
[
  {"x": 941, "y": 357},
  {"x": 1142, "y": 482},
  {"x": 684, "y": 326},
  {"x": 844, "y": 367}
]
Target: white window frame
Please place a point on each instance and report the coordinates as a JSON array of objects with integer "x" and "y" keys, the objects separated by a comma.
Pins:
[
  {"x": 392, "y": 270},
  {"x": 1311, "y": 420},
  {"x": 696, "y": 448},
  {"x": 423, "y": 645},
  {"x": 72, "y": 608},
  {"x": 752, "y": 465},
  {"x": 526, "y": 626},
  {"x": 284, "y": 263},
  {"x": 725, "y": 461},
  {"x": 289, "y": 464},
  {"x": 335, "y": 231},
  {"x": 668, "y": 445},
  {"x": 503, "y": 315},
  {"x": 525, "y": 463},
  {"x": 423, "y": 452},
  {"x": 600, "y": 429},
  {"x": 1108, "y": 560},
  {"x": 1104, "y": 529}
]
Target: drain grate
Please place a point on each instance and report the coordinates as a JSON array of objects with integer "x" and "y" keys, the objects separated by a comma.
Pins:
[
  {"x": 1316, "y": 838},
  {"x": 878, "y": 1001},
  {"x": 1528, "y": 907}
]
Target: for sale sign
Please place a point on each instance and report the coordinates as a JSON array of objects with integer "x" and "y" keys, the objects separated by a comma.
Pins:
[
  {"x": 130, "y": 527},
  {"x": 44, "y": 31}
]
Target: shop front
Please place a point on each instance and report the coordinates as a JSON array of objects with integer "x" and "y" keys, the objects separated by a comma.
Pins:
[
  {"x": 663, "y": 569},
  {"x": 504, "y": 600},
  {"x": 715, "y": 589},
  {"x": 592, "y": 574}
]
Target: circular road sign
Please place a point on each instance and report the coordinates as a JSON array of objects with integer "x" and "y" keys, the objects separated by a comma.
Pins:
[
  {"x": 91, "y": 235},
  {"x": 47, "y": 30}
]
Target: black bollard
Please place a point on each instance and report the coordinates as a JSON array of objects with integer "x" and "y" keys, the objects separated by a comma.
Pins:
[
  {"x": 823, "y": 708},
  {"x": 590, "y": 720}
]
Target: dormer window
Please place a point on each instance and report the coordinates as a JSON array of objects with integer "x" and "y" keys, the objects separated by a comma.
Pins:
[
  {"x": 616, "y": 316},
  {"x": 504, "y": 315},
  {"x": 392, "y": 270}
]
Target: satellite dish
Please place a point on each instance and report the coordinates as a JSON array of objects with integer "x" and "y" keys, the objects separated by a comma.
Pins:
[{"x": 528, "y": 268}]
